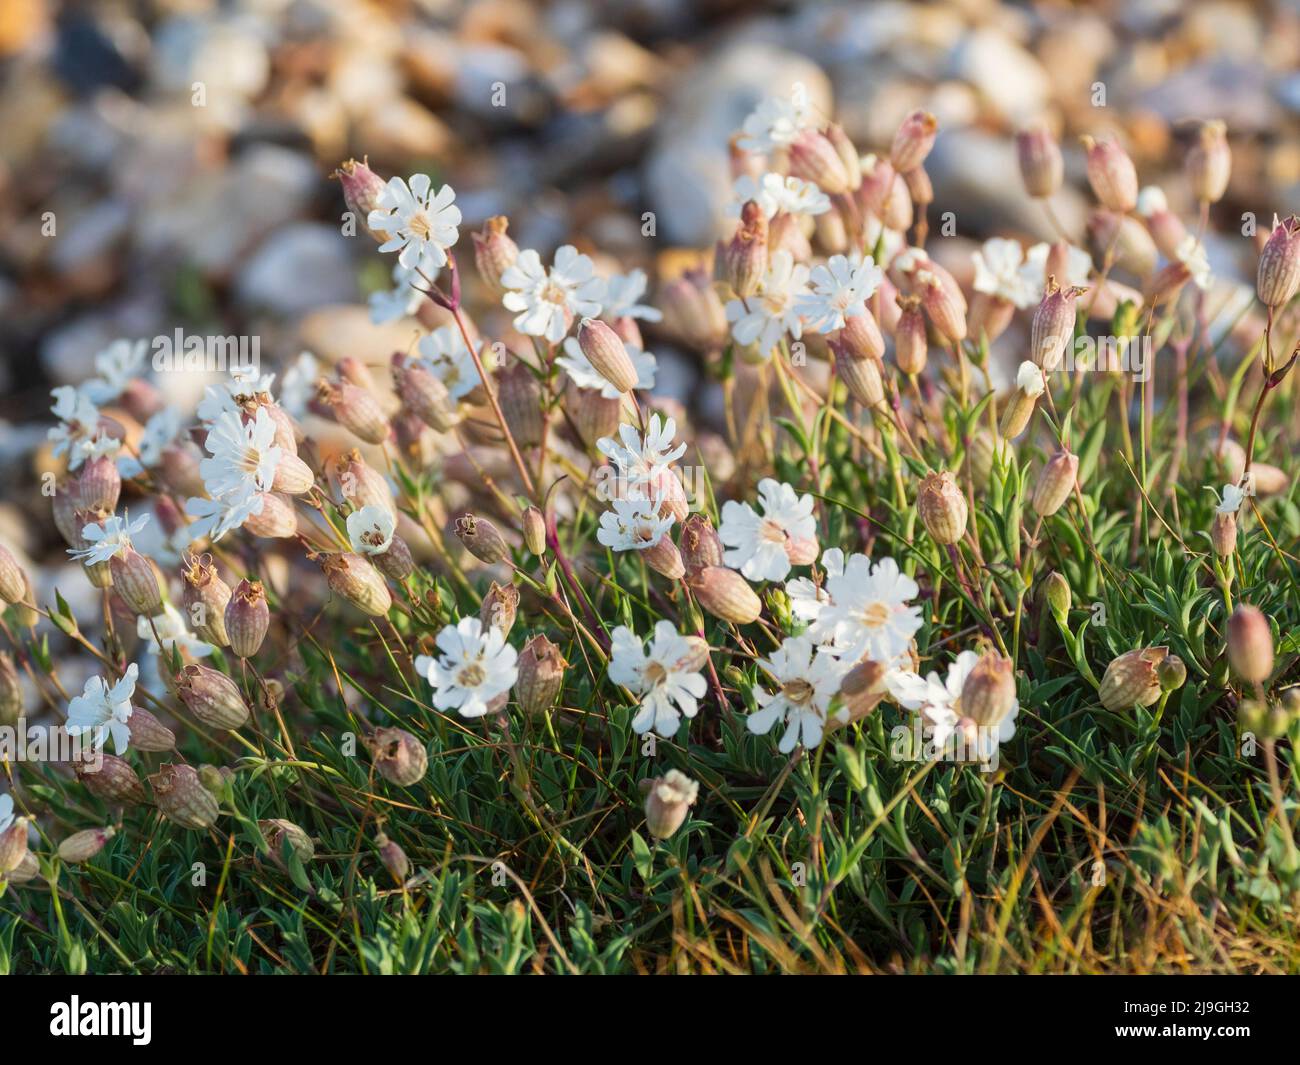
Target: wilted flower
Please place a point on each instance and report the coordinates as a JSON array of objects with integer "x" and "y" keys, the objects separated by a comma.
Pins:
[{"x": 667, "y": 802}]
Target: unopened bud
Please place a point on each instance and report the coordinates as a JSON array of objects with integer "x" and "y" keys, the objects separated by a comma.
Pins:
[
  {"x": 1223, "y": 533},
  {"x": 1055, "y": 483},
  {"x": 394, "y": 859},
  {"x": 136, "y": 582},
  {"x": 13, "y": 846},
  {"x": 942, "y": 507},
  {"x": 357, "y": 581},
  {"x": 494, "y": 252},
  {"x": 277, "y": 520},
  {"x": 910, "y": 341},
  {"x": 13, "y": 583},
  {"x": 148, "y": 733},
  {"x": 607, "y": 354},
  {"x": 1111, "y": 174},
  {"x": 913, "y": 141},
  {"x": 396, "y": 563},
  {"x": 541, "y": 675},
  {"x": 535, "y": 531},
  {"x": 862, "y": 376},
  {"x": 362, "y": 189},
  {"x": 813, "y": 158},
  {"x": 1172, "y": 673},
  {"x": 848, "y": 153},
  {"x": 742, "y": 261},
  {"x": 1057, "y": 590},
  {"x": 989, "y": 690},
  {"x": 356, "y": 409},
  {"x": 520, "y": 397},
  {"x": 82, "y": 846},
  {"x": 1041, "y": 165},
  {"x": 424, "y": 395},
  {"x": 726, "y": 595},
  {"x": 944, "y": 311},
  {"x": 1209, "y": 162},
  {"x": 212, "y": 697},
  {"x": 481, "y": 538},
  {"x": 1250, "y": 644}
]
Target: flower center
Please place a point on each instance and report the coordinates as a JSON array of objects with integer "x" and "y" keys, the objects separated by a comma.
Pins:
[
  {"x": 654, "y": 673},
  {"x": 875, "y": 615},
  {"x": 771, "y": 532},
  {"x": 471, "y": 676},
  {"x": 420, "y": 226},
  {"x": 554, "y": 293},
  {"x": 798, "y": 691}
]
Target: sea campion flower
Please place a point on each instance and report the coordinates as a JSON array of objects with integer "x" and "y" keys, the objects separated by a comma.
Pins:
[
  {"x": 779, "y": 194},
  {"x": 762, "y": 320},
  {"x": 108, "y": 538},
  {"x": 765, "y": 546},
  {"x": 477, "y": 667},
  {"x": 643, "y": 459},
  {"x": 1000, "y": 272},
  {"x": 775, "y": 123},
  {"x": 807, "y": 685},
  {"x": 214, "y": 518},
  {"x": 868, "y": 613},
  {"x": 666, "y": 676},
  {"x": 840, "y": 290},
  {"x": 159, "y": 431},
  {"x": 78, "y": 433},
  {"x": 243, "y": 387},
  {"x": 117, "y": 365},
  {"x": 634, "y": 523},
  {"x": 171, "y": 628},
  {"x": 622, "y": 295},
  {"x": 419, "y": 223},
  {"x": 807, "y": 597},
  {"x": 102, "y": 710},
  {"x": 1231, "y": 500},
  {"x": 444, "y": 354},
  {"x": 580, "y": 371},
  {"x": 370, "y": 530},
  {"x": 938, "y": 699},
  {"x": 244, "y": 456},
  {"x": 547, "y": 302},
  {"x": 1068, "y": 264},
  {"x": 6, "y": 811}
]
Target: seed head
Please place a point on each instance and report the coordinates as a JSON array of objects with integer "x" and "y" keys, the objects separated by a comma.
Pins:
[
  {"x": 1132, "y": 679},
  {"x": 942, "y": 507},
  {"x": 248, "y": 617},
  {"x": 399, "y": 757},
  {"x": 182, "y": 798},
  {"x": 541, "y": 675}
]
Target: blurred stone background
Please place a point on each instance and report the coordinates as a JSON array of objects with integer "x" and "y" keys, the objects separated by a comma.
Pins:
[{"x": 166, "y": 163}]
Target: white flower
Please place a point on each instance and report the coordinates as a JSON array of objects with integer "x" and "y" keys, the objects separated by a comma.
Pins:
[
  {"x": 214, "y": 518},
  {"x": 938, "y": 700},
  {"x": 243, "y": 385},
  {"x": 868, "y": 614},
  {"x": 1078, "y": 265},
  {"x": 546, "y": 302},
  {"x": 776, "y": 194},
  {"x": 79, "y": 432},
  {"x": 475, "y": 667},
  {"x": 775, "y": 123},
  {"x": 6, "y": 811},
  {"x": 107, "y": 538},
  {"x": 840, "y": 290},
  {"x": 405, "y": 296},
  {"x": 172, "y": 631},
  {"x": 634, "y": 523},
  {"x": 621, "y": 294},
  {"x": 1150, "y": 200},
  {"x": 764, "y": 318},
  {"x": 757, "y": 544},
  {"x": 444, "y": 354},
  {"x": 584, "y": 375},
  {"x": 639, "y": 459},
  {"x": 244, "y": 454},
  {"x": 807, "y": 599},
  {"x": 159, "y": 431},
  {"x": 999, "y": 272},
  {"x": 370, "y": 530},
  {"x": 1231, "y": 500},
  {"x": 117, "y": 364},
  {"x": 1030, "y": 379},
  {"x": 101, "y": 710},
  {"x": 808, "y": 682},
  {"x": 1191, "y": 253},
  {"x": 298, "y": 385},
  {"x": 667, "y": 689},
  {"x": 420, "y": 224}
]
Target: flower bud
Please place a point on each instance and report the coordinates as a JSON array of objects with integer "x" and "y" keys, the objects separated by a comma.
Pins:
[
  {"x": 742, "y": 261},
  {"x": 700, "y": 545},
  {"x": 862, "y": 376},
  {"x": 277, "y": 520},
  {"x": 1132, "y": 679},
  {"x": 942, "y": 507},
  {"x": 110, "y": 779},
  {"x": 1124, "y": 241},
  {"x": 910, "y": 341},
  {"x": 1252, "y": 716},
  {"x": 1055, "y": 484},
  {"x": 862, "y": 689},
  {"x": 13, "y": 846},
  {"x": 28, "y": 870},
  {"x": 82, "y": 846},
  {"x": 1057, "y": 590},
  {"x": 1041, "y": 165},
  {"x": 1209, "y": 162},
  {"x": 919, "y": 187},
  {"x": 353, "y": 370},
  {"x": 13, "y": 582},
  {"x": 1053, "y": 326},
  {"x": 494, "y": 252},
  {"x": 399, "y": 757},
  {"x": 65, "y": 504},
  {"x": 607, "y": 354},
  {"x": 668, "y": 800},
  {"x": 204, "y": 599},
  {"x": 99, "y": 484},
  {"x": 861, "y": 337},
  {"x": 1111, "y": 174},
  {"x": 913, "y": 141},
  {"x": 292, "y": 475},
  {"x": 541, "y": 675},
  {"x": 499, "y": 608},
  {"x": 136, "y": 582},
  {"x": 179, "y": 468},
  {"x": 481, "y": 538},
  {"x": 356, "y": 482},
  {"x": 520, "y": 397},
  {"x": 424, "y": 395},
  {"x": 277, "y": 832},
  {"x": 182, "y": 798},
  {"x": 692, "y": 311},
  {"x": 212, "y": 697},
  {"x": 594, "y": 416},
  {"x": 362, "y": 189},
  {"x": 357, "y": 581},
  {"x": 356, "y": 409},
  {"x": 1279, "y": 264},
  {"x": 394, "y": 859},
  {"x": 946, "y": 313},
  {"x": 148, "y": 733},
  {"x": 1223, "y": 534},
  {"x": 396, "y": 563},
  {"x": 1289, "y": 698},
  {"x": 215, "y": 778},
  {"x": 248, "y": 617},
  {"x": 535, "y": 531},
  {"x": 1250, "y": 644},
  {"x": 664, "y": 558},
  {"x": 726, "y": 595},
  {"x": 989, "y": 316},
  {"x": 813, "y": 158},
  {"x": 11, "y": 692},
  {"x": 1172, "y": 673},
  {"x": 989, "y": 690}
]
